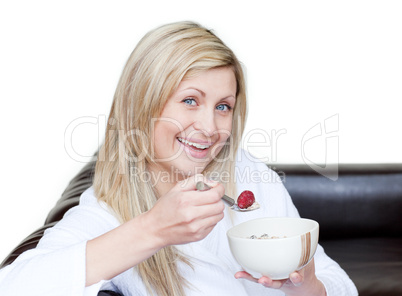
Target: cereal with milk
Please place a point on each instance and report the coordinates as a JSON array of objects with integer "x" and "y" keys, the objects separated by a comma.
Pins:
[{"x": 265, "y": 236}]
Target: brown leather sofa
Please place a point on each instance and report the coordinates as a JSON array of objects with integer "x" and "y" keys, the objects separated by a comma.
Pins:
[{"x": 359, "y": 215}]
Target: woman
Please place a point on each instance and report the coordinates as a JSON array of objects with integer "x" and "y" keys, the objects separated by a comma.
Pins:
[{"x": 143, "y": 228}]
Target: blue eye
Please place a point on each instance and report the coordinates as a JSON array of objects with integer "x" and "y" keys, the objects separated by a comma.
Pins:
[
  {"x": 223, "y": 107},
  {"x": 189, "y": 101}
]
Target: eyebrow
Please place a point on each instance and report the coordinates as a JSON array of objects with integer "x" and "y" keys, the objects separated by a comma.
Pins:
[
  {"x": 203, "y": 93},
  {"x": 200, "y": 91}
]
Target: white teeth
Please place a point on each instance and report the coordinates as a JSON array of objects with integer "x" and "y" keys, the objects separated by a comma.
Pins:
[{"x": 199, "y": 146}]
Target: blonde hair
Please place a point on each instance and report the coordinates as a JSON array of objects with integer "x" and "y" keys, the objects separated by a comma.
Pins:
[{"x": 161, "y": 60}]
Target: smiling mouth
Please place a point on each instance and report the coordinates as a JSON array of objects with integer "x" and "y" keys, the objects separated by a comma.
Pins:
[{"x": 193, "y": 145}]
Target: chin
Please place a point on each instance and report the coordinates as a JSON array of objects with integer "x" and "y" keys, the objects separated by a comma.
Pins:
[{"x": 189, "y": 168}]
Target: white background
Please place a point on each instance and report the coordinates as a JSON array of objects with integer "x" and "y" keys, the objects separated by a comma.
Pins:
[{"x": 312, "y": 67}]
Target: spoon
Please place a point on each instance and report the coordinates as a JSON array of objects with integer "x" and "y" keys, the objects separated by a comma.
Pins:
[{"x": 201, "y": 186}]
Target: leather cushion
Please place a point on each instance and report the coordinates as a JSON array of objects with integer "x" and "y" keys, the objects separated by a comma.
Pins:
[
  {"x": 358, "y": 204},
  {"x": 374, "y": 264}
]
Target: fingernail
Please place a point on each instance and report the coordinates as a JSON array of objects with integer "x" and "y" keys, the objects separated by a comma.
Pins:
[
  {"x": 212, "y": 180},
  {"x": 266, "y": 284},
  {"x": 211, "y": 183},
  {"x": 198, "y": 177},
  {"x": 296, "y": 280}
]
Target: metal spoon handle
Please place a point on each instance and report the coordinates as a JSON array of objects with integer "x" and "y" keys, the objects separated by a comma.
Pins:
[
  {"x": 201, "y": 186},
  {"x": 229, "y": 201}
]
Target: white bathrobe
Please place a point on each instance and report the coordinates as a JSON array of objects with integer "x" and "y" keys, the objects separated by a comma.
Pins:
[{"x": 57, "y": 265}]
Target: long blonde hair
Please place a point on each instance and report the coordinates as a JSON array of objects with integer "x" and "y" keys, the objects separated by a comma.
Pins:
[{"x": 160, "y": 61}]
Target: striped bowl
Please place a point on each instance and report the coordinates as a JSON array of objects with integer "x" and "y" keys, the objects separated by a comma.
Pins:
[{"x": 276, "y": 258}]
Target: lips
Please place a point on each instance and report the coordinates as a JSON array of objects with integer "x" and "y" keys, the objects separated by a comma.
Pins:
[
  {"x": 194, "y": 145},
  {"x": 196, "y": 150}
]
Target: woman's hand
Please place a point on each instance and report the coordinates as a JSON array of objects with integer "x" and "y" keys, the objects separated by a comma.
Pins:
[
  {"x": 181, "y": 216},
  {"x": 302, "y": 282},
  {"x": 186, "y": 215}
]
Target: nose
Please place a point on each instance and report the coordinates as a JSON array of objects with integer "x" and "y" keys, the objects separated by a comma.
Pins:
[{"x": 205, "y": 122}]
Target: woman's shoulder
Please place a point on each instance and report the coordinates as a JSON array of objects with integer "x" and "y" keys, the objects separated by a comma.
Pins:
[
  {"x": 89, "y": 219},
  {"x": 89, "y": 201},
  {"x": 91, "y": 208}
]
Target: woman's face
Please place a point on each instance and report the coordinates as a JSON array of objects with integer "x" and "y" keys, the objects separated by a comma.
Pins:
[{"x": 195, "y": 123}]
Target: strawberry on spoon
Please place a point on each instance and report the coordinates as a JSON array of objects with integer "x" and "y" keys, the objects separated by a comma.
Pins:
[{"x": 245, "y": 201}]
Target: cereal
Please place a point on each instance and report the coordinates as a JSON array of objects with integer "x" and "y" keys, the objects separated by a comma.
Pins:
[{"x": 265, "y": 236}]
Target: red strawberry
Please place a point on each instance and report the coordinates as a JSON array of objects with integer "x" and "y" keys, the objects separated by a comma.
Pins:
[{"x": 245, "y": 199}]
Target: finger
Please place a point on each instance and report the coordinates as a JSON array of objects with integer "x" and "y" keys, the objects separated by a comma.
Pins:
[
  {"x": 190, "y": 196},
  {"x": 269, "y": 283},
  {"x": 210, "y": 228},
  {"x": 265, "y": 281},
  {"x": 211, "y": 183},
  {"x": 202, "y": 211},
  {"x": 209, "y": 221},
  {"x": 200, "y": 229},
  {"x": 189, "y": 184},
  {"x": 212, "y": 196},
  {"x": 245, "y": 275},
  {"x": 296, "y": 278}
]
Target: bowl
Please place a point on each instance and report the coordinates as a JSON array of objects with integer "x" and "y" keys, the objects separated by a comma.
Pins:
[{"x": 291, "y": 245}]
